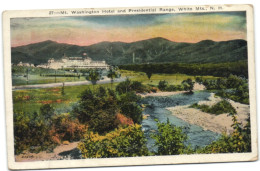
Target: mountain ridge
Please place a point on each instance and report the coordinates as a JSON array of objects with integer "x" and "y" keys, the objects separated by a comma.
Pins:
[{"x": 152, "y": 50}]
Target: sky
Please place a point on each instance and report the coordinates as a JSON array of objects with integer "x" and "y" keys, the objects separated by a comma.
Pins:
[{"x": 87, "y": 30}]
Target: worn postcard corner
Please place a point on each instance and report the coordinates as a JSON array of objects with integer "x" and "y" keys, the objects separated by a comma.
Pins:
[{"x": 129, "y": 86}]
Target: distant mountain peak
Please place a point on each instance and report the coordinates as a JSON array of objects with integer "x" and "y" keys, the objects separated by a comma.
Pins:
[
  {"x": 156, "y": 39},
  {"x": 159, "y": 38},
  {"x": 45, "y": 41},
  {"x": 207, "y": 40}
]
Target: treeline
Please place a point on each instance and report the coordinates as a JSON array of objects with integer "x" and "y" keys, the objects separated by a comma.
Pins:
[
  {"x": 239, "y": 68},
  {"x": 233, "y": 87}
]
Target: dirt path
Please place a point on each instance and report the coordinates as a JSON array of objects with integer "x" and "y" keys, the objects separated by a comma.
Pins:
[
  {"x": 215, "y": 123},
  {"x": 61, "y": 152},
  {"x": 36, "y": 86},
  {"x": 162, "y": 93}
]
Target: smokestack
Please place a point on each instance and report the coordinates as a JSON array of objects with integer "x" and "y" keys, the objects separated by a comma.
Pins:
[{"x": 133, "y": 57}]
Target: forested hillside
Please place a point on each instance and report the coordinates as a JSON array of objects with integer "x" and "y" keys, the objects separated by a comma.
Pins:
[{"x": 146, "y": 51}]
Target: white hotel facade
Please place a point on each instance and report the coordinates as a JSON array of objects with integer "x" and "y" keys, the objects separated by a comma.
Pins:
[{"x": 75, "y": 62}]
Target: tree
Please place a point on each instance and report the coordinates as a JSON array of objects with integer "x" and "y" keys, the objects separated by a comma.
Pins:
[
  {"x": 221, "y": 83},
  {"x": 243, "y": 93},
  {"x": 188, "y": 85},
  {"x": 124, "y": 86},
  {"x": 199, "y": 80},
  {"x": 149, "y": 74},
  {"x": 234, "y": 81},
  {"x": 63, "y": 89},
  {"x": 148, "y": 69},
  {"x": 138, "y": 87},
  {"x": 169, "y": 139},
  {"x": 112, "y": 74},
  {"x": 93, "y": 76}
]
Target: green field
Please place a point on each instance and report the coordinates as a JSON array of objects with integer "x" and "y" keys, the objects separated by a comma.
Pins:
[
  {"x": 31, "y": 100},
  {"x": 20, "y": 75},
  {"x": 172, "y": 79},
  {"x": 37, "y": 79}
]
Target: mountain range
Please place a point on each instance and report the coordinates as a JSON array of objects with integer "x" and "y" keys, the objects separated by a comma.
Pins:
[{"x": 155, "y": 50}]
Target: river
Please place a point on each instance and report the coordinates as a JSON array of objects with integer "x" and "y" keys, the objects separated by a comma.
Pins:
[{"x": 156, "y": 110}]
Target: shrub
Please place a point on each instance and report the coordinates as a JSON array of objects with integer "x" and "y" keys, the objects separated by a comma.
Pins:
[
  {"x": 188, "y": 85},
  {"x": 133, "y": 111},
  {"x": 123, "y": 120},
  {"x": 47, "y": 111},
  {"x": 103, "y": 121},
  {"x": 129, "y": 107},
  {"x": 162, "y": 85},
  {"x": 64, "y": 128},
  {"x": 204, "y": 108},
  {"x": 234, "y": 81},
  {"x": 128, "y": 85},
  {"x": 199, "y": 80},
  {"x": 138, "y": 87},
  {"x": 170, "y": 139},
  {"x": 31, "y": 132},
  {"x": 171, "y": 88},
  {"x": 124, "y": 86},
  {"x": 129, "y": 98},
  {"x": 123, "y": 142},
  {"x": 97, "y": 109},
  {"x": 221, "y": 107},
  {"x": 239, "y": 95},
  {"x": 221, "y": 83},
  {"x": 153, "y": 89}
]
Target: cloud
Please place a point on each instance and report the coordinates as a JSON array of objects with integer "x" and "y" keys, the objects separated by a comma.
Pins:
[{"x": 188, "y": 27}]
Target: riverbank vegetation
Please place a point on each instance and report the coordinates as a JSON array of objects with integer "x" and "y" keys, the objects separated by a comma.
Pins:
[
  {"x": 221, "y": 107},
  {"x": 238, "y": 141},
  {"x": 233, "y": 87},
  {"x": 106, "y": 118}
]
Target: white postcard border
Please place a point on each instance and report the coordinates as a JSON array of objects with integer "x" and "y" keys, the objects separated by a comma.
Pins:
[{"x": 150, "y": 160}]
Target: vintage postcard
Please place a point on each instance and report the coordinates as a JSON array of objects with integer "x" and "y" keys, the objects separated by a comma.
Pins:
[{"x": 130, "y": 86}]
